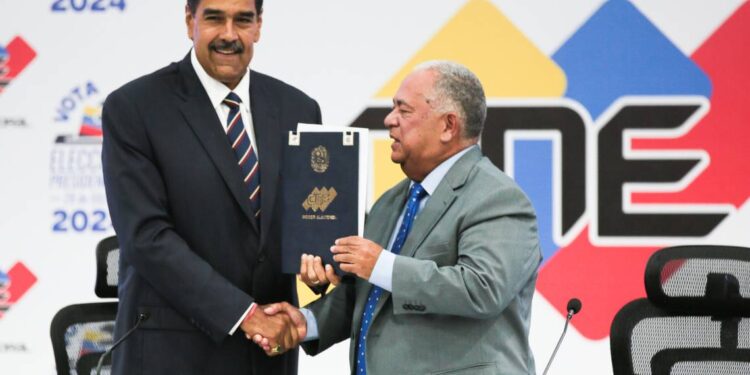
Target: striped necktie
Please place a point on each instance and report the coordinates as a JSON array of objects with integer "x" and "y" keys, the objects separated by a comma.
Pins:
[
  {"x": 416, "y": 193},
  {"x": 247, "y": 160}
]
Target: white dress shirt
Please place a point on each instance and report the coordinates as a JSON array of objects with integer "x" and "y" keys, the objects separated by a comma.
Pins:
[{"x": 218, "y": 91}]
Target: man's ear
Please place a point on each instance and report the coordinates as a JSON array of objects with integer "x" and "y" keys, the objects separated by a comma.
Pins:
[
  {"x": 451, "y": 127},
  {"x": 260, "y": 24},
  {"x": 189, "y": 21}
]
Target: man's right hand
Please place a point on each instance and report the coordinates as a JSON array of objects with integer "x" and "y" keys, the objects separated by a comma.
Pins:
[
  {"x": 279, "y": 330},
  {"x": 287, "y": 310},
  {"x": 314, "y": 275}
]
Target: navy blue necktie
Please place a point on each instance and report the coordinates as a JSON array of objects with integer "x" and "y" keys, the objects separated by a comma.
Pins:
[
  {"x": 247, "y": 160},
  {"x": 416, "y": 193}
]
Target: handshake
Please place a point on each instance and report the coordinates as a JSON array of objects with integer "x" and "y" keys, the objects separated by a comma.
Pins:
[
  {"x": 279, "y": 327},
  {"x": 276, "y": 327}
]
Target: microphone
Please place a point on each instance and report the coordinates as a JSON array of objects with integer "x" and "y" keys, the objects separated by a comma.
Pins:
[
  {"x": 141, "y": 318},
  {"x": 574, "y": 306}
]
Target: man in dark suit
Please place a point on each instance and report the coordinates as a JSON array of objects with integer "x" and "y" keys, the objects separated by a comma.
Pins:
[{"x": 191, "y": 159}]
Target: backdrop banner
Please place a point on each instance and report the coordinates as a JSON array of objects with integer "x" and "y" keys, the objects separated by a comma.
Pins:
[{"x": 626, "y": 122}]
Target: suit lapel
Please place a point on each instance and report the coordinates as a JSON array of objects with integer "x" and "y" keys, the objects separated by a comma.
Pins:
[
  {"x": 267, "y": 136},
  {"x": 440, "y": 201},
  {"x": 200, "y": 116},
  {"x": 428, "y": 217},
  {"x": 434, "y": 209}
]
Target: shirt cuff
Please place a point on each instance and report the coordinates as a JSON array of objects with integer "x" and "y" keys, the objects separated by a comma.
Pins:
[
  {"x": 382, "y": 273},
  {"x": 242, "y": 318},
  {"x": 312, "y": 325}
]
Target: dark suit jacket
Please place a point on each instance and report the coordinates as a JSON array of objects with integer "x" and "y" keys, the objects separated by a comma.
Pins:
[{"x": 191, "y": 257}]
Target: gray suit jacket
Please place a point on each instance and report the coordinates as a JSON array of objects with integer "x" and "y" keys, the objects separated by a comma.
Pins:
[{"x": 462, "y": 287}]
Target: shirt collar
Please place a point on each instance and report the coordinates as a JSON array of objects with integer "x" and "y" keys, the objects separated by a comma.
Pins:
[
  {"x": 430, "y": 183},
  {"x": 216, "y": 90}
]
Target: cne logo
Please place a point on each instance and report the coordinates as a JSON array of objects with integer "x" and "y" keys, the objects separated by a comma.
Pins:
[
  {"x": 620, "y": 154},
  {"x": 319, "y": 199},
  {"x": 13, "y": 285},
  {"x": 14, "y": 58}
]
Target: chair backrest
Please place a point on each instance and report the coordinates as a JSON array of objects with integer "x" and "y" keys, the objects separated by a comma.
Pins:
[
  {"x": 81, "y": 333},
  {"x": 107, "y": 267},
  {"x": 81, "y": 330},
  {"x": 696, "y": 319},
  {"x": 707, "y": 279}
]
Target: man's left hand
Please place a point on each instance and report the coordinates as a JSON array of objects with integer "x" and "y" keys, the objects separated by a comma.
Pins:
[{"x": 356, "y": 255}]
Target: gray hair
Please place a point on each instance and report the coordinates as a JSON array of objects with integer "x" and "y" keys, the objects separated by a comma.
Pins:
[{"x": 458, "y": 89}]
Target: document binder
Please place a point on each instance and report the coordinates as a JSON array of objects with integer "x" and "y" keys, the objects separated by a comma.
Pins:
[{"x": 323, "y": 186}]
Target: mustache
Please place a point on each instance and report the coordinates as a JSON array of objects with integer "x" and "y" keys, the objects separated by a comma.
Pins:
[{"x": 233, "y": 46}]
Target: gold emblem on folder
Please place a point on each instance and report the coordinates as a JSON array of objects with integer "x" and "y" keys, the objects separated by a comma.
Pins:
[
  {"x": 319, "y": 160},
  {"x": 319, "y": 199}
]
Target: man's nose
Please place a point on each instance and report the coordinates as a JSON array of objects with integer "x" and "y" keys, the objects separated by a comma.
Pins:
[
  {"x": 229, "y": 32},
  {"x": 390, "y": 119}
]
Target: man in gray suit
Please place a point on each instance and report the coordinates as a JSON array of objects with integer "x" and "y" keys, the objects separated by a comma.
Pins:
[{"x": 448, "y": 263}]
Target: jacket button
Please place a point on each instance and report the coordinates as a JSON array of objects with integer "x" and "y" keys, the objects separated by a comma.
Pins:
[{"x": 261, "y": 258}]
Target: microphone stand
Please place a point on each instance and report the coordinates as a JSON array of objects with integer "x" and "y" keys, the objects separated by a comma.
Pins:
[
  {"x": 565, "y": 329},
  {"x": 141, "y": 318}
]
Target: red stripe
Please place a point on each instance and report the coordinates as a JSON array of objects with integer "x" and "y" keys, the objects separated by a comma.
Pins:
[
  {"x": 239, "y": 139},
  {"x": 252, "y": 172},
  {"x": 234, "y": 121},
  {"x": 244, "y": 157}
]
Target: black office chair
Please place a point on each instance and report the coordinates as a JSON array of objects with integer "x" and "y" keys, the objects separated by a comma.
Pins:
[
  {"x": 81, "y": 333},
  {"x": 107, "y": 267},
  {"x": 696, "y": 319}
]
